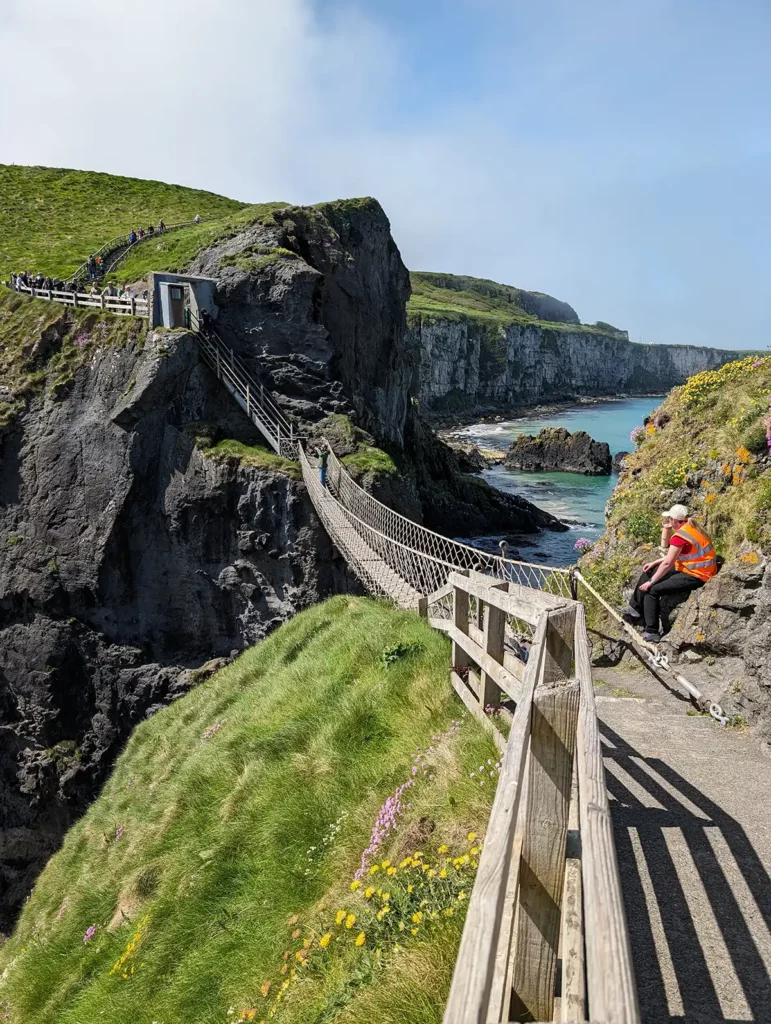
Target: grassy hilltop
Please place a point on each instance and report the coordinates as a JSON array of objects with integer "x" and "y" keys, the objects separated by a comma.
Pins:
[
  {"x": 213, "y": 879},
  {"x": 51, "y": 219}
]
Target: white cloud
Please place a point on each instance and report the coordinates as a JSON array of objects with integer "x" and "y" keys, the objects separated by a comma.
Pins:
[{"x": 563, "y": 168}]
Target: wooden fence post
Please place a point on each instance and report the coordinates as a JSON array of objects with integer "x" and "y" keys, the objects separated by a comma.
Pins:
[
  {"x": 133, "y": 306},
  {"x": 104, "y": 306},
  {"x": 460, "y": 659},
  {"x": 542, "y": 870},
  {"x": 560, "y": 641},
  {"x": 75, "y": 296},
  {"x": 494, "y": 633}
]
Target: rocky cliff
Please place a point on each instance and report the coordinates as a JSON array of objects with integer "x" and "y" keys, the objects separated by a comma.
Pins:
[
  {"x": 134, "y": 548},
  {"x": 709, "y": 448},
  {"x": 471, "y": 364},
  {"x": 555, "y": 448}
]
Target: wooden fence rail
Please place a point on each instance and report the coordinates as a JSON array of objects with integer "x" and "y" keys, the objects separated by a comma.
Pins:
[
  {"x": 547, "y": 897},
  {"x": 111, "y": 303}
]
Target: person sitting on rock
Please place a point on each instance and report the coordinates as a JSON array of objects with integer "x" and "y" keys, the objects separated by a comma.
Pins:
[{"x": 689, "y": 562}]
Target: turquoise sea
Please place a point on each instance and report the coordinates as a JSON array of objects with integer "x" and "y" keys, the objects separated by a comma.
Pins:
[{"x": 576, "y": 499}]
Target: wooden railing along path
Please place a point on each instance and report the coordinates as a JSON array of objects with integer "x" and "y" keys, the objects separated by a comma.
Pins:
[
  {"x": 110, "y": 303},
  {"x": 546, "y": 907}
]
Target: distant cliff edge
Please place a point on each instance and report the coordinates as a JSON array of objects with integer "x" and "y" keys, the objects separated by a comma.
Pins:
[{"x": 482, "y": 347}]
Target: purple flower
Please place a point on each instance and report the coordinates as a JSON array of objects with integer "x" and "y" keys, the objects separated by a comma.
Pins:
[
  {"x": 82, "y": 340},
  {"x": 90, "y": 933},
  {"x": 119, "y": 831},
  {"x": 637, "y": 435},
  {"x": 583, "y": 544}
]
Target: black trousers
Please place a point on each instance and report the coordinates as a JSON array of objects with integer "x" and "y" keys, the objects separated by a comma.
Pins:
[{"x": 647, "y": 602}]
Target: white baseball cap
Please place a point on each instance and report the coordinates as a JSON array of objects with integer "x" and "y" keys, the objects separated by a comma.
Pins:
[{"x": 676, "y": 512}]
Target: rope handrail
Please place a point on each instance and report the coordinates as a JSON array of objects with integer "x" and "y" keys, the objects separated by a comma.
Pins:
[{"x": 451, "y": 552}]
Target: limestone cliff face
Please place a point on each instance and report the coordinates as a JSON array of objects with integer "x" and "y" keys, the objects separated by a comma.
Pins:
[{"x": 468, "y": 365}]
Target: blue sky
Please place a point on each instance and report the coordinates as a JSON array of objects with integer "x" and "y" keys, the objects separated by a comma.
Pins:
[{"x": 615, "y": 154}]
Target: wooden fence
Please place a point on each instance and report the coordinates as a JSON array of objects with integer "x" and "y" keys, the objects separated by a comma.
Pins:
[
  {"x": 111, "y": 303},
  {"x": 546, "y": 912}
]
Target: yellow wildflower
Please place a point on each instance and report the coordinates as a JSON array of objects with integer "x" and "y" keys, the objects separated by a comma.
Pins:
[
  {"x": 449, "y": 912},
  {"x": 472, "y": 836},
  {"x": 410, "y": 888},
  {"x": 417, "y": 917},
  {"x": 391, "y": 871},
  {"x": 461, "y": 897},
  {"x": 417, "y": 855},
  {"x": 406, "y": 862},
  {"x": 432, "y": 873},
  {"x": 265, "y": 989},
  {"x": 443, "y": 873},
  {"x": 374, "y": 869},
  {"x": 360, "y": 939},
  {"x": 369, "y": 892},
  {"x": 350, "y": 921},
  {"x": 354, "y": 885},
  {"x": 414, "y": 931},
  {"x": 474, "y": 850},
  {"x": 444, "y": 848},
  {"x": 325, "y": 939},
  {"x": 385, "y": 864},
  {"x": 340, "y": 916}
]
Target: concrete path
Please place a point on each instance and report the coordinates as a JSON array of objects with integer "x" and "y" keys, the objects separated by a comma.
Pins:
[{"x": 691, "y": 806}]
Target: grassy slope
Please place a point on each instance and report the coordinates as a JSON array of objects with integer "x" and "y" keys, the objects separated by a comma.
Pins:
[
  {"x": 24, "y": 370},
  {"x": 476, "y": 298},
  {"x": 52, "y": 218},
  {"x": 711, "y": 453},
  {"x": 223, "y": 841}
]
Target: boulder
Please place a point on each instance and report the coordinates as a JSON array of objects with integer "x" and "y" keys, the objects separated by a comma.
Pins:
[
  {"x": 555, "y": 448},
  {"x": 618, "y": 461}
]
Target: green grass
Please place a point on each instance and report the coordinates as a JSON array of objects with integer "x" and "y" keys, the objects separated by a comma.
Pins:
[
  {"x": 174, "y": 252},
  {"x": 453, "y": 297},
  {"x": 42, "y": 345},
  {"x": 51, "y": 219},
  {"x": 220, "y": 860},
  {"x": 259, "y": 456}
]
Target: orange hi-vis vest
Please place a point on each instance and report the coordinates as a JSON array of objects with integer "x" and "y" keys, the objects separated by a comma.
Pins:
[{"x": 702, "y": 561}]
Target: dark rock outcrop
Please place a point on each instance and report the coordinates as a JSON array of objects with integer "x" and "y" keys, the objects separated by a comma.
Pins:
[
  {"x": 555, "y": 448},
  {"x": 618, "y": 461},
  {"x": 127, "y": 558}
]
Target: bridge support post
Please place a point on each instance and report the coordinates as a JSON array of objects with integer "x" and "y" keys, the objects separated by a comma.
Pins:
[{"x": 494, "y": 632}]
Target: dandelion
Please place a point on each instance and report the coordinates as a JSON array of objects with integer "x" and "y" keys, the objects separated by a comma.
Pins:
[
  {"x": 340, "y": 916},
  {"x": 417, "y": 917},
  {"x": 360, "y": 939},
  {"x": 325, "y": 939},
  {"x": 369, "y": 892},
  {"x": 444, "y": 848},
  {"x": 354, "y": 885},
  {"x": 471, "y": 836},
  {"x": 350, "y": 921}
]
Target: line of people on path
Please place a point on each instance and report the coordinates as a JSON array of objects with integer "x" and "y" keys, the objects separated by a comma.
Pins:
[{"x": 55, "y": 284}]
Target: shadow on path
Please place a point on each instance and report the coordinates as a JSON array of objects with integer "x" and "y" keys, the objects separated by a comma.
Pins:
[{"x": 673, "y": 867}]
